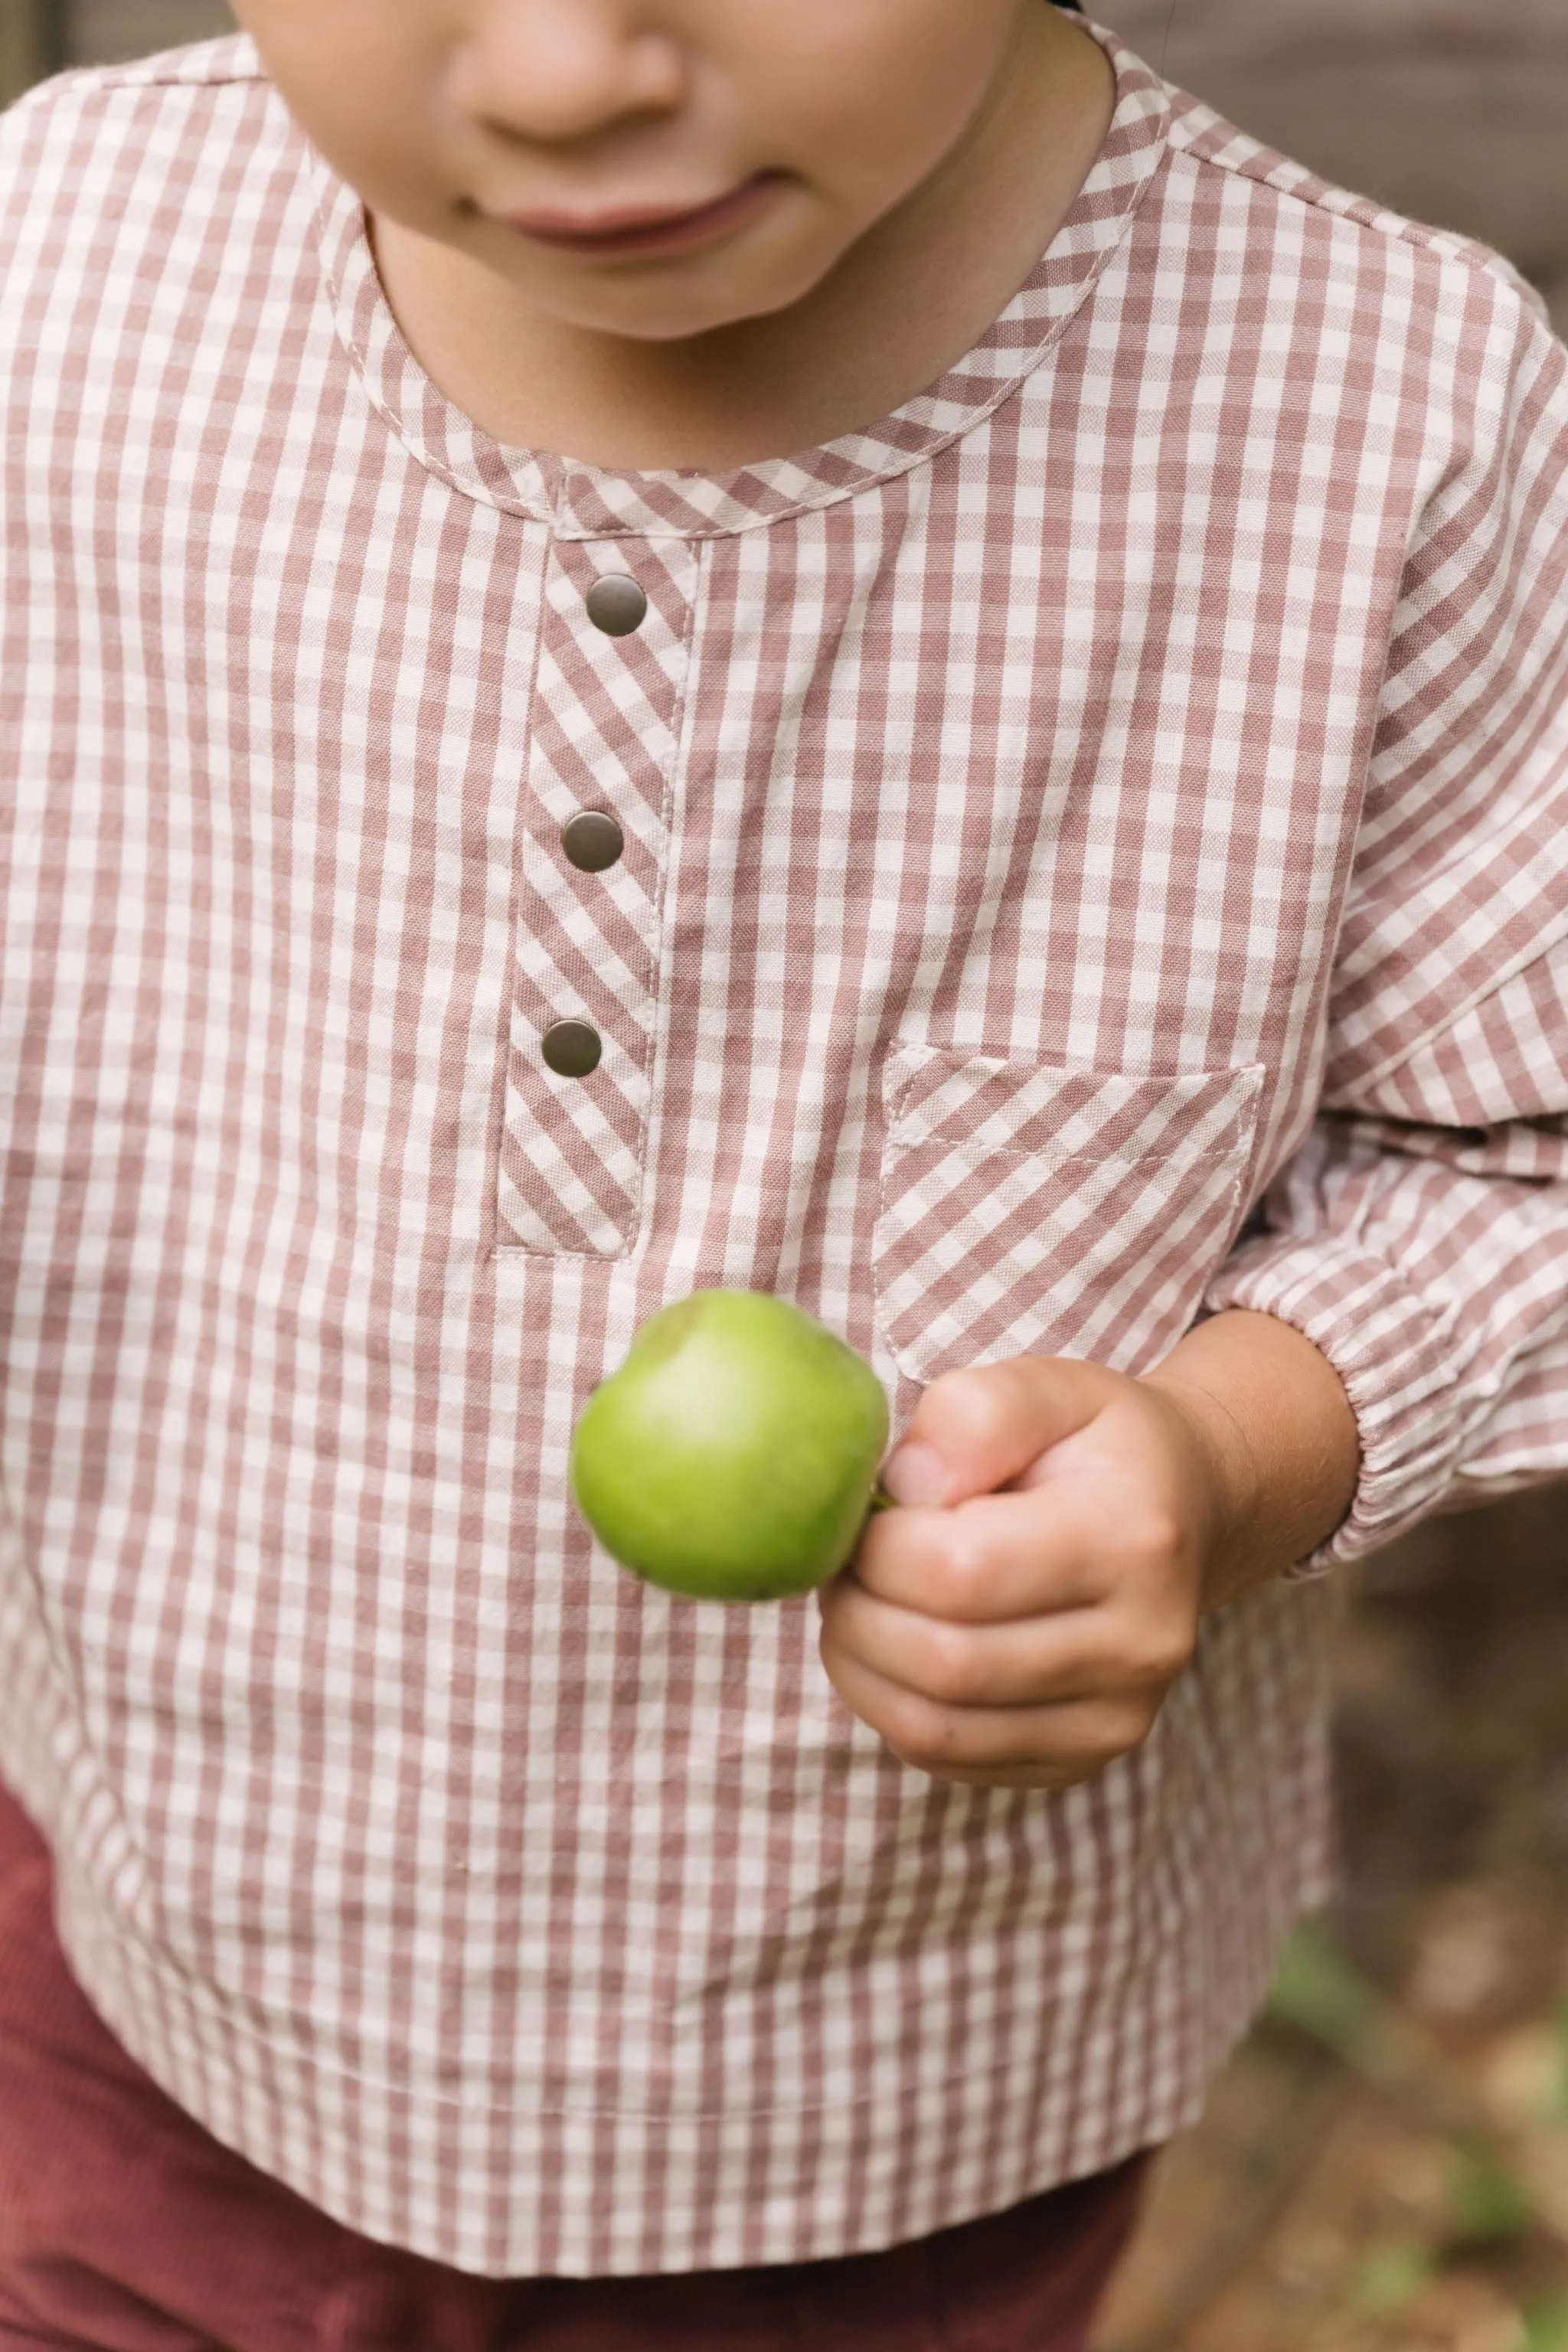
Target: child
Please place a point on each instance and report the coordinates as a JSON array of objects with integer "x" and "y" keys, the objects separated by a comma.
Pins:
[{"x": 847, "y": 650}]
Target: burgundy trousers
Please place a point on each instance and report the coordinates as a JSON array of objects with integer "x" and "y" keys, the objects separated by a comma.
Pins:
[{"x": 124, "y": 2227}]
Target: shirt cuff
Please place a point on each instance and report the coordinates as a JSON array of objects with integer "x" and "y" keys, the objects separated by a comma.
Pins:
[{"x": 1394, "y": 1351}]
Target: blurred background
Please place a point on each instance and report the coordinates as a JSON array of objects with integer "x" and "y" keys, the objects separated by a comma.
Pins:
[{"x": 1385, "y": 2165}]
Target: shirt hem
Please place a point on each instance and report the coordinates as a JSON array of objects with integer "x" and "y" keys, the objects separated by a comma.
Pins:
[{"x": 320, "y": 2135}]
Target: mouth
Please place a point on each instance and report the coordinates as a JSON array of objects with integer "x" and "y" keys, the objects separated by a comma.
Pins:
[{"x": 630, "y": 231}]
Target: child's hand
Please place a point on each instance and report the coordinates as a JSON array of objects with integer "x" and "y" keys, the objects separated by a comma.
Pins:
[{"x": 1017, "y": 1622}]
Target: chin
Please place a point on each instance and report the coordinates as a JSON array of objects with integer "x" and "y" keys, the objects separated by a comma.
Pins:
[{"x": 650, "y": 311}]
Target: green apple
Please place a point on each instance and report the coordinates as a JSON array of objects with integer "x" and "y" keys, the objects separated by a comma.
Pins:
[{"x": 733, "y": 1455}]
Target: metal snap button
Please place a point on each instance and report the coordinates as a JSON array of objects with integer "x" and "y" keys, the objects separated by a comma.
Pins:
[
  {"x": 616, "y": 605},
  {"x": 592, "y": 840},
  {"x": 571, "y": 1048}
]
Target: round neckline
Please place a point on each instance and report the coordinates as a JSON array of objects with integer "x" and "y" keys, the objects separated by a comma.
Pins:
[{"x": 583, "y": 501}]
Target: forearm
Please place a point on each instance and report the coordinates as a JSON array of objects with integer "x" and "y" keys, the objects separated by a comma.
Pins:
[{"x": 1270, "y": 1410}]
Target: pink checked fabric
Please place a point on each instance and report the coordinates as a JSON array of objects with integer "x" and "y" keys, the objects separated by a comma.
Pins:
[{"x": 1097, "y": 849}]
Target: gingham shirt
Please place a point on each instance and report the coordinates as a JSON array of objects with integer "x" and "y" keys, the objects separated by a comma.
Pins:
[{"x": 1096, "y": 844}]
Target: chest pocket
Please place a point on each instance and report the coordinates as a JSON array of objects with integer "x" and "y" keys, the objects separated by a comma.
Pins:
[{"x": 1045, "y": 1212}]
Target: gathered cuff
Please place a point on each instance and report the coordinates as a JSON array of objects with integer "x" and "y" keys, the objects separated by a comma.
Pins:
[{"x": 1394, "y": 1351}]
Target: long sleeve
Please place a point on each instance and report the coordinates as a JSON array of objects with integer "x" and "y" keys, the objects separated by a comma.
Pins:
[{"x": 1420, "y": 1234}]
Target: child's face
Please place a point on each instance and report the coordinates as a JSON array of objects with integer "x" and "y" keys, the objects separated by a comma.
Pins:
[{"x": 645, "y": 168}]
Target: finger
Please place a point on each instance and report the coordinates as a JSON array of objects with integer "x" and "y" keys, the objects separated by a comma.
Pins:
[
  {"x": 974, "y": 1429},
  {"x": 1041, "y": 1661},
  {"x": 1003, "y": 1557},
  {"x": 1068, "y": 1740}
]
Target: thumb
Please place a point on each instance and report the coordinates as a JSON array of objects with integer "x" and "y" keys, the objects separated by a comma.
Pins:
[{"x": 978, "y": 1429}]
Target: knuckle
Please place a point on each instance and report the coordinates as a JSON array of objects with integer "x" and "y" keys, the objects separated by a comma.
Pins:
[
  {"x": 1153, "y": 1533},
  {"x": 1116, "y": 1731},
  {"x": 915, "y": 1729},
  {"x": 1157, "y": 1655},
  {"x": 963, "y": 1575},
  {"x": 967, "y": 1398},
  {"x": 954, "y": 1671},
  {"x": 1130, "y": 1727},
  {"x": 992, "y": 1397}
]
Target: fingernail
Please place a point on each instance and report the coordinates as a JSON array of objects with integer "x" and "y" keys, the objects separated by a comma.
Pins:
[{"x": 917, "y": 1475}]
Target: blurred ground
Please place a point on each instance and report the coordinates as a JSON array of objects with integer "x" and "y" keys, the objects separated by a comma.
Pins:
[{"x": 1385, "y": 2165}]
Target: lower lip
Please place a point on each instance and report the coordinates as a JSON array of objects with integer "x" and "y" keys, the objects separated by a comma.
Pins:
[{"x": 675, "y": 232}]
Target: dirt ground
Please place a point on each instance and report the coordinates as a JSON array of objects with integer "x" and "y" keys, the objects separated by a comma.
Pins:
[{"x": 1385, "y": 2165}]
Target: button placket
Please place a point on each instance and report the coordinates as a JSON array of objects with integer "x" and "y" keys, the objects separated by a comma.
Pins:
[{"x": 603, "y": 737}]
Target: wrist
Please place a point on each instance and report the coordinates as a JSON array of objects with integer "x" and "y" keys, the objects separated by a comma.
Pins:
[
  {"x": 1278, "y": 1438},
  {"x": 1230, "y": 1478}
]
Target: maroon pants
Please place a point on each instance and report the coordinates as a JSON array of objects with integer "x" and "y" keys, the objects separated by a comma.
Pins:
[{"x": 126, "y": 2228}]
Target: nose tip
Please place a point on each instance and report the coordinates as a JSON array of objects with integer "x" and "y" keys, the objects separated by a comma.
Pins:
[{"x": 555, "y": 72}]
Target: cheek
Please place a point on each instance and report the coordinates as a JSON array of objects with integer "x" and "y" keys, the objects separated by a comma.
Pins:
[
  {"x": 873, "y": 94},
  {"x": 362, "y": 80}
]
